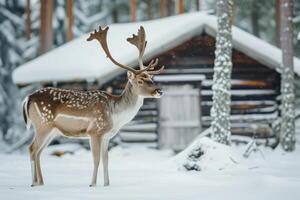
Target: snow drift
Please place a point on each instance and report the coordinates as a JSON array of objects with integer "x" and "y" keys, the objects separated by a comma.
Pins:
[{"x": 206, "y": 154}]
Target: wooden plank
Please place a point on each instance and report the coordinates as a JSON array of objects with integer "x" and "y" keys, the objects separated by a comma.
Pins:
[
  {"x": 260, "y": 103},
  {"x": 138, "y": 127},
  {"x": 245, "y": 83},
  {"x": 246, "y": 98},
  {"x": 247, "y": 118},
  {"x": 235, "y": 110},
  {"x": 182, "y": 124},
  {"x": 182, "y": 93},
  {"x": 137, "y": 137},
  {"x": 242, "y": 92}
]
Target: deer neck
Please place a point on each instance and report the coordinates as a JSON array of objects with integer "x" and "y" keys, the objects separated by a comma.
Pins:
[{"x": 126, "y": 107}]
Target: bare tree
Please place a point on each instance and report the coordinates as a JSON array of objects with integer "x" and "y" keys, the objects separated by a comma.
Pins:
[
  {"x": 220, "y": 111},
  {"x": 287, "y": 77}
]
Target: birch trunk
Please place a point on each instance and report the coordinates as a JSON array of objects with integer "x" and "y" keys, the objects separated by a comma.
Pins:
[
  {"x": 220, "y": 111},
  {"x": 287, "y": 77}
]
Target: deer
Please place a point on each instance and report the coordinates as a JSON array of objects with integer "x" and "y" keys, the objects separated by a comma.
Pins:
[{"x": 93, "y": 114}]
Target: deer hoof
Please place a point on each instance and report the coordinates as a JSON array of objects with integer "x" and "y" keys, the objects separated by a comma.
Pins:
[
  {"x": 36, "y": 184},
  {"x": 106, "y": 184}
]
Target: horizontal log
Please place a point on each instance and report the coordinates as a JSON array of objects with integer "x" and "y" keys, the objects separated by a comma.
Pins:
[
  {"x": 140, "y": 127},
  {"x": 246, "y": 98},
  {"x": 236, "y": 111},
  {"x": 138, "y": 137},
  {"x": 246, "y": 139},
  {"x": 262, "y": 84},
  {"x": 255, "y": 103},
  {"x": 147, "y": 120},
  {"x": 242, "y": 92},
  {"x": 263, "y": 118}
]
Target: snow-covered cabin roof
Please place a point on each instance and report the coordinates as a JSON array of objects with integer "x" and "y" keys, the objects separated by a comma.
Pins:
[{"x": 82, "y": 60}]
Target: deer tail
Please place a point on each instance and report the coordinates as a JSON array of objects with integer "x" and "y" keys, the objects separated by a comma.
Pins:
[{"x": 26, "y": 113}]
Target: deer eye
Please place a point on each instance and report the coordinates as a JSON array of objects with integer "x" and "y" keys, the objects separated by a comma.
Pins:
[{"x": 140, "y": 82}]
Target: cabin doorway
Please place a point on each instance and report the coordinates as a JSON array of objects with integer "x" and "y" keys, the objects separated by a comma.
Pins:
[{"x": 180, "y": 116}]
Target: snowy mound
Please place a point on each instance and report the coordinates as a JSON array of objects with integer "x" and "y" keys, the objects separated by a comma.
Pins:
[{"x": 205, "y": 154}]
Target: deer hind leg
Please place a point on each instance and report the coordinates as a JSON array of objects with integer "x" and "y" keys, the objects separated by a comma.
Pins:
[
  {"x": 41, "y": 140},
  {"x": 32, "y": 153},
  {"x": 95, "y": 144},
  {"x": 104, "y": 152}
]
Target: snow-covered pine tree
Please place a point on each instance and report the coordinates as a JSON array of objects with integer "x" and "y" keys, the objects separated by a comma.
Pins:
[
  {"x": 287, "y": 77},
  {"x": 220, "y": 111}
]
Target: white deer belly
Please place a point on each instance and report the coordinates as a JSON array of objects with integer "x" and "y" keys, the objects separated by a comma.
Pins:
[{"x": 71, "y": 124}]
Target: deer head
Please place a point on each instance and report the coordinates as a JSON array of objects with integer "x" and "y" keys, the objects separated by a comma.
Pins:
[{"x": 141, "y": 79}]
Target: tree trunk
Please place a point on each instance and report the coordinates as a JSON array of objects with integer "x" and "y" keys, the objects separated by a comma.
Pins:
[
  {"x": 69, "y": 9},
  {"x": 28, "y": 20},
  {"x": 162, "y": 8},
  {"x": 277, "y": 21},
  {"x": 170, "y": 7},
  {"x": 287, "y": 77},
  {"x": 254, "y": 18},
  {"x": 180, "y": 6},
  {"x": 220, "y": 111},
  {"x": 46, "y": 32},
  {"x": 133, "y": 10},
  {"x": 115, "y": 16},
  {"x": 198, "y": 5},
  {"x": 150, "y": 9}
]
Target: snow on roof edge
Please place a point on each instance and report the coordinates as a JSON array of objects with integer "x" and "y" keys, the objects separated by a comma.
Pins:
[{"x": 159, "y": 42}]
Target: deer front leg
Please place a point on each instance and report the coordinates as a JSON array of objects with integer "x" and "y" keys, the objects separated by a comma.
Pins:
[
  {"x": 95, "y": 144},
  {"x": 104, "y": 151}
]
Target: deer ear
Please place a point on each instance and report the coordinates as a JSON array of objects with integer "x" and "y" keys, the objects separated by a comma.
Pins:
[{"x": 130, "y": 75}]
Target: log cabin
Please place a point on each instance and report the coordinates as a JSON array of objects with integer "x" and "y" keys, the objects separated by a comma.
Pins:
[{"x": 185, "y": 44}]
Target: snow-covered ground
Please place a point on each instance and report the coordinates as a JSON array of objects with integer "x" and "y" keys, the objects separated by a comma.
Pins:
[{"x": 141, "y": 173}]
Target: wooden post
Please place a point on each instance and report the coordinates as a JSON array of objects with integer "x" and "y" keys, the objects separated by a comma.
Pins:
[
  {"x": 69, "y": 10},
  {"x": 180, "y": 6},
  {"x": 161, "y": 8},
  {"x": 46, "y": 32},
  {"x": 149, "y": 9},
  {"x": 133, "y": 10},
  {"x": 28, "y": 21}
]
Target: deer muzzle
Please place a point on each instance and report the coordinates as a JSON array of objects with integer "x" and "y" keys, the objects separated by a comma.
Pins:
[{"x": 158, "y": 93}]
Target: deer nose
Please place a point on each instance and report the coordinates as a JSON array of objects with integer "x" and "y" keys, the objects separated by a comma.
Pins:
[{"x": 159, "y": 91}]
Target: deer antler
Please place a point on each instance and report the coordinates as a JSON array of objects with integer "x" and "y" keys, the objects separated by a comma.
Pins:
[
  {"x": 101, "y": 36},
  {"x": 158, "y": 71},
  {"x": 140, "y": 42},
  {"x": 137, "y": 40}
]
